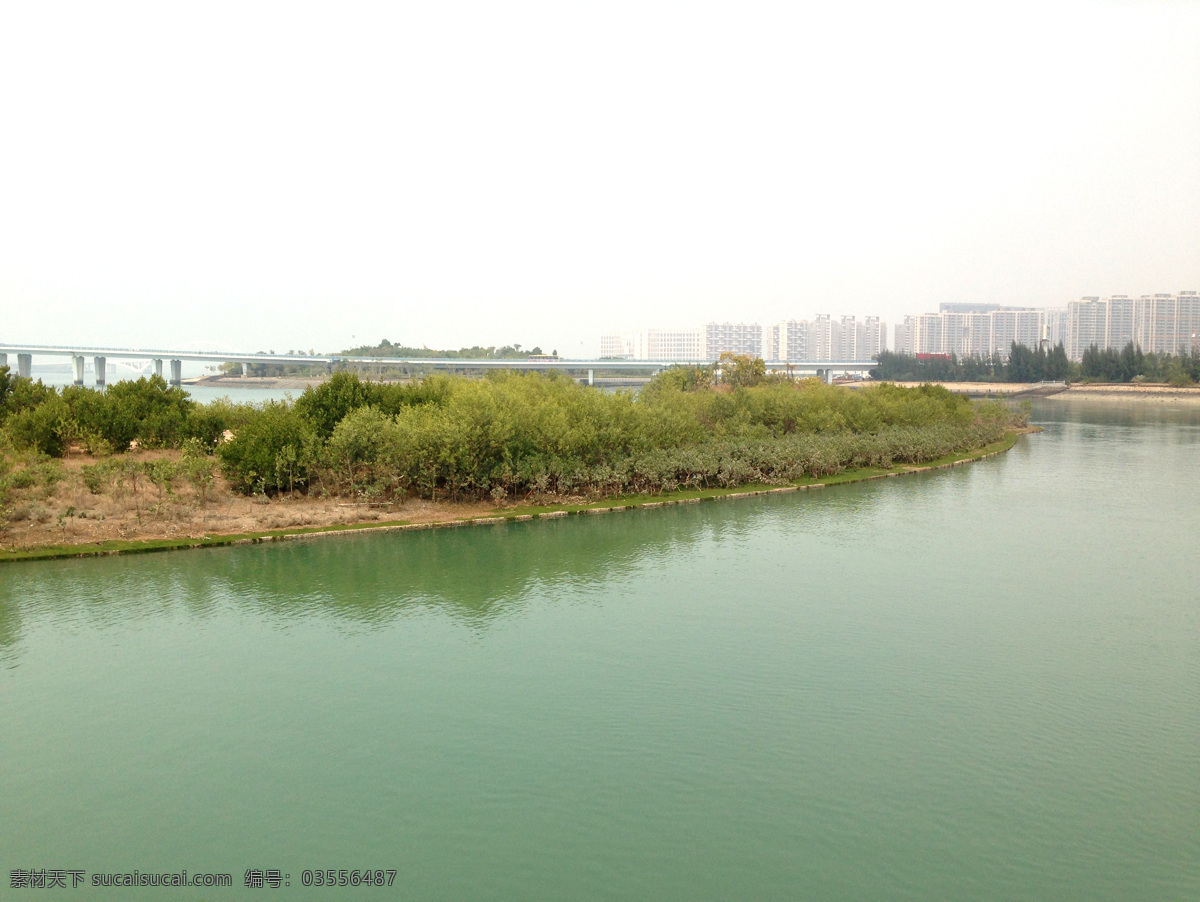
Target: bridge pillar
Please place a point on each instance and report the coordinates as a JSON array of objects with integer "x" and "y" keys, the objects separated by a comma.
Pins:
[
  {"x": 176, "y": 372},
  {"x": 158, "y": 367},
  {"x": 25, "y": 365},
  {"x": 77, "y": 367},
  {"x": 591, "y": 377},
  {"x": 3, "y": 359},
  {"x": 101, "y": 366}
]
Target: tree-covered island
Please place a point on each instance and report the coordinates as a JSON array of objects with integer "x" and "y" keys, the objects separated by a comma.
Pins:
[{"x": 149, "y": 461}]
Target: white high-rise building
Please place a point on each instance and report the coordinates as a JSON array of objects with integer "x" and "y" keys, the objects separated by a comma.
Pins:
[
  {"x": 929, "y": 332},
  {"x": 674, "y": 344},
  {"x": 1120, "y": 320},
  {"x": 734, "y": 338},
  {"x": 844, "y": 344},
  {"x": 822, "y": 337},
  {"x": 1056, "y": 326},
  {"x": 1167, "y": 324},
  {"x": 1087, "y": 326},
  {"x": 872, "y": 338},
  {"x": 792, "y": 340}
]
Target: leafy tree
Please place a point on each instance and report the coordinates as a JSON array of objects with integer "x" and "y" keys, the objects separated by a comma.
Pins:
[
  {"x": 742, "y": 370},
  {"x": 42, "y": 428},
  {"x": 251, "y": 459},
  {"x": 326, "y": 405},
  {"x": 147, "y": 409},
  {"x": 680, "y": 378},
  {"x": 1058, "y": 367},
  {"x": 24, "y": 394},
  {"x": 1022, "y": 364}
]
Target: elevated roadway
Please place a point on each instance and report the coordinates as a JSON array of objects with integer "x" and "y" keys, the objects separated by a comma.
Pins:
[{"x": 78, "y": 354}]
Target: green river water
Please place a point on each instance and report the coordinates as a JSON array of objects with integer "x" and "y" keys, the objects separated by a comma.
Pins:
[{"x": 979, "y": 683}]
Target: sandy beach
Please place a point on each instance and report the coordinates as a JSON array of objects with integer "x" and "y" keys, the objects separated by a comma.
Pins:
[
  {"x": 975, "y": 388},
  {"x": 1092, "y": 391},
  {"x": 1154, "y": 393}
]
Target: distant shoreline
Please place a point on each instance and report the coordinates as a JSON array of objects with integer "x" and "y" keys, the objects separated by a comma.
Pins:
[
  {"x": 1080, "y": 391},
  {"x": 1130, "y": 392},
  {"x": 260, "y": 382}
]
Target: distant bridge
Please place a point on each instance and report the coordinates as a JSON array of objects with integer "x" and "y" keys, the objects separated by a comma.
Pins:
[{"x": 824, "y": 369}]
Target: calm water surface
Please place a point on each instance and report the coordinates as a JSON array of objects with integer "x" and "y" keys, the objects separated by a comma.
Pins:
[{"x": 980, "y": 683}]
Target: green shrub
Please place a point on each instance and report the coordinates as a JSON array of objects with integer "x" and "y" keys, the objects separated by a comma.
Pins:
[
  {"x": 99, "y": 476},
  {"x": 156, "y": 411},
  {"x": 146, "y": 409},
  {"x": 196, "y": 466},
  {"x": 206, "y": 423},
  {"x": 327, "y": 404},
  {"x": 162, "y": 473},
  {"x": 18, "y": 394},
  {"x": 41, "y": 428},
  {"x": 24, "y": 478},
  {"x": 250, "y": 460},
  {"x": 50, "y": 473}
]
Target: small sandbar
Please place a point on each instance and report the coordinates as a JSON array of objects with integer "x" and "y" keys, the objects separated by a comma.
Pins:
[{"x": 1155, "y": 393}]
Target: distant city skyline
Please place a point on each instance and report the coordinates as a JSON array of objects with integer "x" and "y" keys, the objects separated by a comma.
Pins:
[
  {"x": 823, "y": 338},
  {"x": 1159, "y": 323}
]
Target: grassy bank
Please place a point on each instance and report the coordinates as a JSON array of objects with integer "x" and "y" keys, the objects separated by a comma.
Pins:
[{"x": 521, "y": 512}]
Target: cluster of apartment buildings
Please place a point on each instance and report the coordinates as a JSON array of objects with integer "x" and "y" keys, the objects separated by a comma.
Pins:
[
  {"x": 822, "y": 339},
  {"x": 1157, "y": 323},
  {"x": 979, "y": 330}
]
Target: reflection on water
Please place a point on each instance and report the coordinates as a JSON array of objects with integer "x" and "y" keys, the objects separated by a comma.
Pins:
[
  {"x": 473, "y": 573},
  {"x": 1178, "y": 415}
]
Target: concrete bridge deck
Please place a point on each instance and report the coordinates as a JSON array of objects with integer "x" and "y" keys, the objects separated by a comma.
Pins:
[{"x": 100, "y": 356}]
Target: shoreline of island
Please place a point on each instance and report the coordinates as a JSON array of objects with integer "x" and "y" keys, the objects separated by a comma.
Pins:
[{"x": 516, "y": 513}]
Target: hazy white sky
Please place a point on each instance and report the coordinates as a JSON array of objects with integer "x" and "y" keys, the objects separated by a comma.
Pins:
[{"x": 293, "y": 175}]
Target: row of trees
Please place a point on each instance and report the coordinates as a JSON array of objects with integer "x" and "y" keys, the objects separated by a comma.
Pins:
[
  {"x": 1025, "y": 364},
  {"x": 513, "y": 434},
  {"x": 1130, "y": 365},
  {"x": 384, "y": 350},
  {"x": 147, "y": 411}
]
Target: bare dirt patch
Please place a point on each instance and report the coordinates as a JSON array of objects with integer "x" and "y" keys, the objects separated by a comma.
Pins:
[{"x": 59, "y": 509}]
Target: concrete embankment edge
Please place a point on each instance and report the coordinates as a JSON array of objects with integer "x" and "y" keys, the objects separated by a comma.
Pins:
[{"x": 133, "y": 547}]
